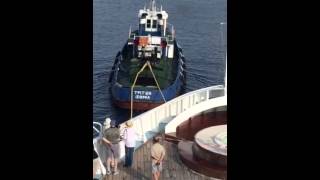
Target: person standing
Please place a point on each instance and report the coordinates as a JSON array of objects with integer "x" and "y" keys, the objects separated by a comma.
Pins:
[
  {"x": 130, "y": 142},
  {"x": 157, "y": 155},
  {"x": 111, "y": 139}
]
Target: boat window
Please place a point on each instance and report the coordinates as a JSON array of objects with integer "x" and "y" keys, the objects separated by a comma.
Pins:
[
  {"x": 148, "y": 23},
  {"x": 154, "y": 24}
]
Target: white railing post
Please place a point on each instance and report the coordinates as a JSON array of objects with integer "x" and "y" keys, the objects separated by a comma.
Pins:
[
  {"x": 193, "y": 99},
  {"x": 177, "y": 107},
  {"x": 142, "y": 131},
  {"x": 166, "y": 110},
  {"x": 156, "y": 119}
]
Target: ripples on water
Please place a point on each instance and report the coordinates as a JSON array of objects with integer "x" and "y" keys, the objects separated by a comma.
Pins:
[{"x": 198, "y": 31}]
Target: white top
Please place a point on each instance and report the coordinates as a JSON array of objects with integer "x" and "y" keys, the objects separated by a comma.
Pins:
[{"x": 130, "y": 137}]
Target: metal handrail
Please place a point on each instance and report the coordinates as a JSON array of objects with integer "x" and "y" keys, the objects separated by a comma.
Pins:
[{"x": 100, "y": 127}]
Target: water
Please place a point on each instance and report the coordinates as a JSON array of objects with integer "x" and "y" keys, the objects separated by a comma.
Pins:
[{"x": 198, "y": 31}]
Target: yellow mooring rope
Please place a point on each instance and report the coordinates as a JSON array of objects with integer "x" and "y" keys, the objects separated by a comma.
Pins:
[{"x": 143, "y": 67}]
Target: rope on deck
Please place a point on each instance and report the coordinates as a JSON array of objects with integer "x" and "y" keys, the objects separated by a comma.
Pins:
[{"x": 154, "y": 77}]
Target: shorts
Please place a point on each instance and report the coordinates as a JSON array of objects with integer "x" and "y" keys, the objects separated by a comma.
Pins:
[
  {"x": 114, "y": 151},
  {"x": 156, "y": 168}
]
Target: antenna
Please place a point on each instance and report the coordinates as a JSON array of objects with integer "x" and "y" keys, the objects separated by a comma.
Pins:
[
  {"x": 153, "y": 5},
  {"x": 222, "y": 34}
]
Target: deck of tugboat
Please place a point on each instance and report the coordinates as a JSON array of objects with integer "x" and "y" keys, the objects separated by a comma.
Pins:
[
  {"x": 164, "y": 70},
  {"x": 173, "y": 168}
]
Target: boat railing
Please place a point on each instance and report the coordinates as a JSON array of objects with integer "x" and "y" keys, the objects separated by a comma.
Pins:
[
  {"x": 170, "y": 31},
  {"x": 154, "y": 121},
  {"x": 99, "y": 149},
  {"x": 97, "y": 130}
]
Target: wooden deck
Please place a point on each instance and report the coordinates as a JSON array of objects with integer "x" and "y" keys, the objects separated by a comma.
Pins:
[{"x": 173, "y": 168}]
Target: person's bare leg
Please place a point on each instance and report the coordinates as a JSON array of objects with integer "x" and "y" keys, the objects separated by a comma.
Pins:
[
  {"x": 115, "y": 165},
  {"x": 108, "y": 164},
  {"x": 155, "y": 176},
  {"x": 158, "y": 175}
]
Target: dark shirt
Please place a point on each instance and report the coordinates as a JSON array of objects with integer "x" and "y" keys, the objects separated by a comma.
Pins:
[{"x": 112, "y": 135}]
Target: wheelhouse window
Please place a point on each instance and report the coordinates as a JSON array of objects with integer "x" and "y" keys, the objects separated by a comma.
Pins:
[
  {"x": 148, "y": 23},
  {"x": 154, "y": 24}
]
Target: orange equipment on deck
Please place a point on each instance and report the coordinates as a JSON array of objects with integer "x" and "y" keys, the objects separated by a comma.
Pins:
[{"x": 143, "y": 41}]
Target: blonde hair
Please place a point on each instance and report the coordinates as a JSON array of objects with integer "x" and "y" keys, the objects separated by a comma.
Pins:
[{"x": 129, "y": 123}]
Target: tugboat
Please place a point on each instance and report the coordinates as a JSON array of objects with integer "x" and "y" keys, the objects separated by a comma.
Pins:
[{"x": 150, "y": 68}]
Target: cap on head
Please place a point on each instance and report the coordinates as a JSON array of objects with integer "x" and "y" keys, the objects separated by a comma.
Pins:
[
  {"x": 106, "y": 123},
  {"x": 112, "y": 123}
]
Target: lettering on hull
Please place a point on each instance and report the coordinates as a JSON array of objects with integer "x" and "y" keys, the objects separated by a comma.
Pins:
[{"x": 142, "y": 95}]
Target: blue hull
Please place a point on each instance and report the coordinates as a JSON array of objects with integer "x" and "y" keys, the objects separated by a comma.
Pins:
[{"x": 145, "y": 97}]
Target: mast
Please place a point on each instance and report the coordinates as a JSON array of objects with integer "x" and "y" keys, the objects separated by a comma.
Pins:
[
  {"x": 153, "y": 5},
  {"x": 129, "y": 31}
]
